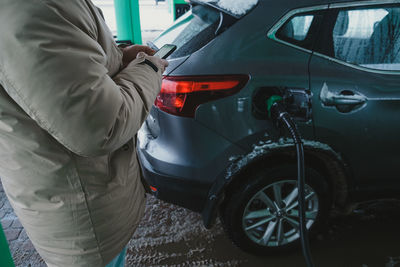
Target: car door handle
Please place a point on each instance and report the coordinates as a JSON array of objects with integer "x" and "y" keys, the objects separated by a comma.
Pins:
[
  {"x": 345, "y": 97},
  {"x": 340, "y": 99}
]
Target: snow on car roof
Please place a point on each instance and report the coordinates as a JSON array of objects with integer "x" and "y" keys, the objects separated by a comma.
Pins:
[{"x": 235, "y": 7}]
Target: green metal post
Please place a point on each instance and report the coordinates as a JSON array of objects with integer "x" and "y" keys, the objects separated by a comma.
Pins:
[
  {"x": 128, "y": 20},
  {"x": 5, "y": 255}
]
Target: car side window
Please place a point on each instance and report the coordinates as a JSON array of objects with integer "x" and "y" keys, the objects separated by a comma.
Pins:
[
  {"x": 368, "y": 37},
  {"x": 296, "y": 30}
]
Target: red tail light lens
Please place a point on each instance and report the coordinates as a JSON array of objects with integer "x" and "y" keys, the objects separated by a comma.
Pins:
[{"x": 182, "y": 95}]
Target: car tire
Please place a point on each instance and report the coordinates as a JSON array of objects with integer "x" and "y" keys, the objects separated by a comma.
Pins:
[{"x": 260, "y": 214}]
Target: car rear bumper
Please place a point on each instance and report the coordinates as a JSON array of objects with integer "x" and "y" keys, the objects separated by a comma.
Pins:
[
  {"x": 181, "y": 158},
  {"x": 183, "y": 192}
]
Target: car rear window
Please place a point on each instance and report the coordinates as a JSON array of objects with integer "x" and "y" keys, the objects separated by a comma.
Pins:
[{"x": 191, "y": 31}]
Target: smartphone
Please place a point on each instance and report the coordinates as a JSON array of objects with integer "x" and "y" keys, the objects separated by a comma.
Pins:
[{"x": 165, "y": 51}]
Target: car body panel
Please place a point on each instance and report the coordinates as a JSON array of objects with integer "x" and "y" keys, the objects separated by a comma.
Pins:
[
  {"x": 191, "y": 158},
  {"x": 184, "y": 151},
  {"x": 251, "y": 54},
  {"x": 354, "y": 134},
  {"x": 353, "y": 129}
]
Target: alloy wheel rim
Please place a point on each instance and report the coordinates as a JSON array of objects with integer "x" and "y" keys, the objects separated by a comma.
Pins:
[{"x": 271, "y": 217}]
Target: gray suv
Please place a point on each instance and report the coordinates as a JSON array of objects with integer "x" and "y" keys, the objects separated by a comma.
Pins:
[{"x": 209, "y": 146}]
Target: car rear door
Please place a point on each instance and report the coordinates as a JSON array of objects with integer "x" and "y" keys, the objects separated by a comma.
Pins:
[{"x": 355, "y": 81}]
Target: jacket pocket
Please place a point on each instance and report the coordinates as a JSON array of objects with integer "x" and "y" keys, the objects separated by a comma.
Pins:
[{"x": 119, "y": 162}]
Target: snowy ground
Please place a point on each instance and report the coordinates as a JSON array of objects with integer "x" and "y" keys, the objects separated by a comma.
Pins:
[{"x": 172, "y": 236}]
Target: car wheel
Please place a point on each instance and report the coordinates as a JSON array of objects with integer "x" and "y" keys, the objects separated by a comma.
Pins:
[{"x": 261, "y": 215}]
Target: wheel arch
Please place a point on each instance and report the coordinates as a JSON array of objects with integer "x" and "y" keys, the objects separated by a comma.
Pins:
[{"x": 318, "y": 156}]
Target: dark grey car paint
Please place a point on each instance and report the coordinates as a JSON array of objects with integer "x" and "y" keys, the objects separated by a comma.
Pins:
[{"x": 200, "y": 149}]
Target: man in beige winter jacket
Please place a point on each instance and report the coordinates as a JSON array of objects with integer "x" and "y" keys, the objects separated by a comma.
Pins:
[{"x": 71, "y": 102}]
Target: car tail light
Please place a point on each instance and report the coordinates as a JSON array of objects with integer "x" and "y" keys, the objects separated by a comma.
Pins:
[
  {"x": 181, "y": 95},
  {"x": 153, "y": 189}
]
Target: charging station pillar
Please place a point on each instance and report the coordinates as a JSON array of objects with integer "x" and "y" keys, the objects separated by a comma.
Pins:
[
  {"x": 177, "y": 8},
  {"x": 5, "y": 255},
  {"x": 128, "y": 21}
]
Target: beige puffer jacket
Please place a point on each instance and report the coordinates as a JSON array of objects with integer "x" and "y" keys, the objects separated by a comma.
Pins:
[{"x": 68, "y": 115}]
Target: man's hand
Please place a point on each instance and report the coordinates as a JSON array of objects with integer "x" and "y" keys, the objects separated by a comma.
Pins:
[
  {"x": 160, "y": 63},
  {"x": 132, "y": 51}
]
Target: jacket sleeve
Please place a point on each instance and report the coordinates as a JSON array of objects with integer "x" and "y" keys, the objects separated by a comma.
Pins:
[{"x": 55, "y": 71}]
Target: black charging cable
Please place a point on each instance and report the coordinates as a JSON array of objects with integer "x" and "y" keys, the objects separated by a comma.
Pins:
[{"x": 281, "y": 117}]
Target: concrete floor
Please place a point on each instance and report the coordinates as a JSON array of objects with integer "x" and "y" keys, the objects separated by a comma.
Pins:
[{"x": 172, "y": 236}]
